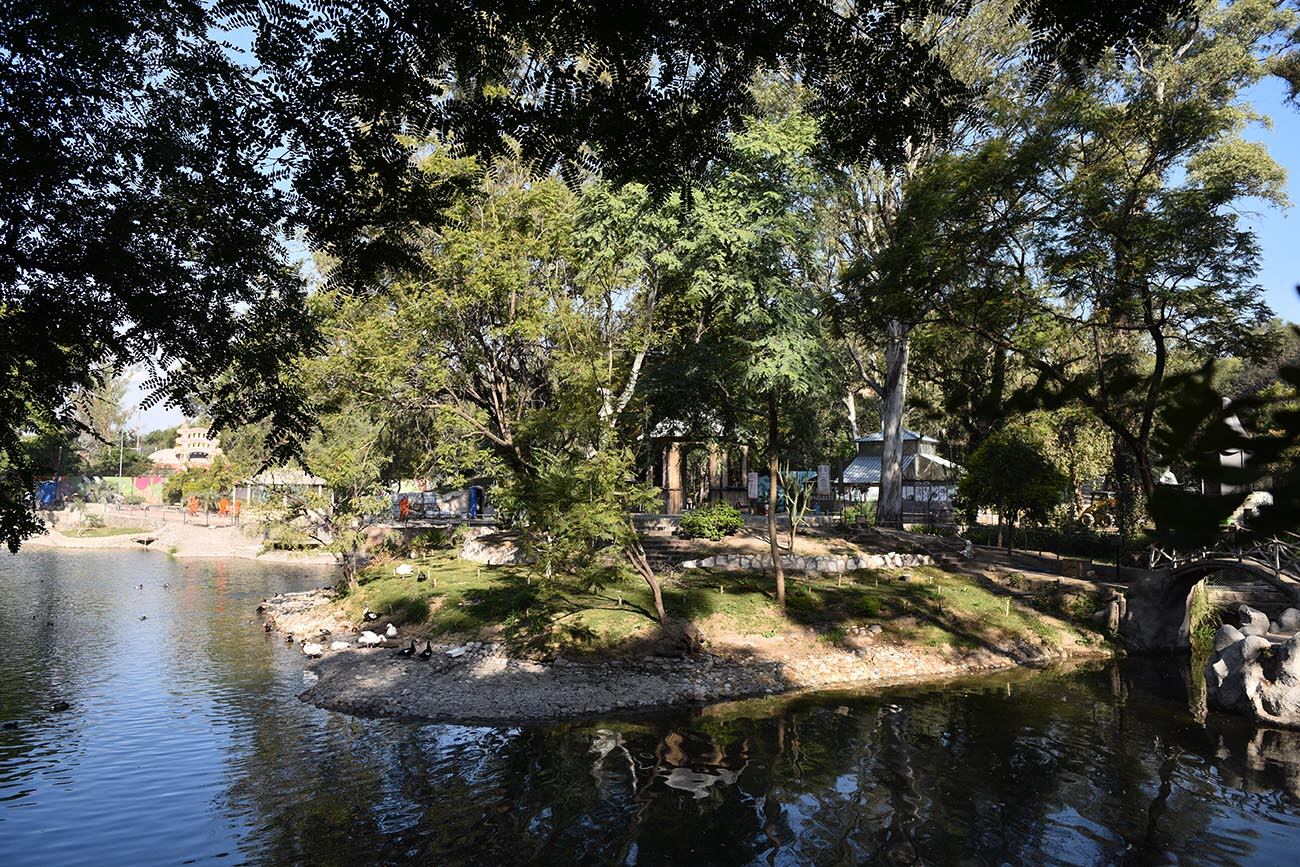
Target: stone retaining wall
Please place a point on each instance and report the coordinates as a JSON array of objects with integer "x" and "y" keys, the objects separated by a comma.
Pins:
[{"x": 739, "y": 562}]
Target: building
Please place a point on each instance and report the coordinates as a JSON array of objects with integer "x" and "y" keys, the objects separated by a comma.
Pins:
[
  {"x": 194, "y": 448},
  {"x": 262, "y": 486},
  {"x": 927, "y": 477}
]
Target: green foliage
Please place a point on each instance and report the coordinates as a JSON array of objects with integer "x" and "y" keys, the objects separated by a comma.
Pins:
[
  {"x": 1009, "y": 473},
  {"x": 859, "y": 513},
  {"x": 1203, "y": 618},
  {"x": 712, "y": 521},
  {"x": 869, "y": 607}
]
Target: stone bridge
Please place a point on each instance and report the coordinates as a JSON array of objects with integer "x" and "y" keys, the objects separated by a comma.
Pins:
[{"x": 1155, "y": 617}]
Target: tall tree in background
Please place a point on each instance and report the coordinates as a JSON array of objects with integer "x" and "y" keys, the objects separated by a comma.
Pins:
[{"x": 886, "y": 292}]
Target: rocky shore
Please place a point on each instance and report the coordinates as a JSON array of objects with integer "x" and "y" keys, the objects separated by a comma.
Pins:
[{"x": 479, "y": 682}]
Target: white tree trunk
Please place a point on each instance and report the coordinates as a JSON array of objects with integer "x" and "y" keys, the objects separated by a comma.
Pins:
[{"x": 889, "y": 509}]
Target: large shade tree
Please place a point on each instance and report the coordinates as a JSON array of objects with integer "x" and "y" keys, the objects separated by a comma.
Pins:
[{"x": 157, "y": 155}]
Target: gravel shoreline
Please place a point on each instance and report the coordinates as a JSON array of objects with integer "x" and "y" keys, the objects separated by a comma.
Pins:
[{"x": 478, "y": 682}]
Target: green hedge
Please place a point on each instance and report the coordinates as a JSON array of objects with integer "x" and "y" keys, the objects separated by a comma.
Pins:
[
  {"x": 713, "y": 521},
  {"x": 1086, "y": 545}
]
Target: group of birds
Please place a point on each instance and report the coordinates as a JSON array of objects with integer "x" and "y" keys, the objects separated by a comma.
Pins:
[{"x": 368, "y": 638}]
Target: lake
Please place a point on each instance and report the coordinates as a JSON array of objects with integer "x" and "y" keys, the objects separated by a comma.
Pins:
[{"x": 185, "y": 743}]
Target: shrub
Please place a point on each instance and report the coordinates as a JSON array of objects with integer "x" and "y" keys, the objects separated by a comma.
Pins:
[
  {"x": 712, "y": 521},
  {"x": 859, "y": 513},
  {"x": 92, "y": 522},
  {"x": 869, "y": 606}
]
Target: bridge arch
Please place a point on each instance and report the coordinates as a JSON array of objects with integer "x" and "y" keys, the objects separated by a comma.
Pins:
[{"x": 1157, "y": 610}]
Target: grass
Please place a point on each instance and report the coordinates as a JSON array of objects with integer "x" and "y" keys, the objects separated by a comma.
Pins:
[
  {"x": 100, "y": 532},
  {"x": 461, "y": 599},
  {"x": 1203, "y": 618}
]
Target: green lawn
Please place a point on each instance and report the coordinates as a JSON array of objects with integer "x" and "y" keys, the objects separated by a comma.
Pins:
[
  {"x": 100, "y": 532},
  {"x": 458, "y": 598}
]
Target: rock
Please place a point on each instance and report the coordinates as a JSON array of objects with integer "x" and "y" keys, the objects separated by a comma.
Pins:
[
  {"x": 1257, "y": 679},
  {"x": 875, "y": 629},
  {"x": 1252, "y": 622},
  {"x": 312, "y": 649},
  {"x": 1289, "y": 620},
  {"x": 1225, "y": 635},
  {"x": 493, "y": 550},
  {"x": 456, "y": 651}
]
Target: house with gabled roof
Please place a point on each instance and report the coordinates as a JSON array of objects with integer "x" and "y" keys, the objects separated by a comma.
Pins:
[{"x": 926, "y": 475}]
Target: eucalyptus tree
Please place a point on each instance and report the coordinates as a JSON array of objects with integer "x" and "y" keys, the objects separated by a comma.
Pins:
[{"x": 887, "y": 288}]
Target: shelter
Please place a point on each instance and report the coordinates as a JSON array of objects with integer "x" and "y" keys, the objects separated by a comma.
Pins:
[
  {"x": 927, "y": 477},
  {"x": 259, "y": 487}
]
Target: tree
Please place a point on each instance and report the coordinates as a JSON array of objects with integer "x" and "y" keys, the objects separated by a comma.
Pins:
[
  {"x": 141, "y": 222},
  {"x": 890, "y": 283},
  {"x": 1010, "y": 473},
  {"x": 748, "y": 315},
  {"x": 150, "y": 184}
]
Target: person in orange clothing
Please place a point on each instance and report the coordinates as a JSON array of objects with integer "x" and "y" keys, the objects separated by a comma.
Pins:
[
  {"x": 223, "y": 507},
  {"x": 404, "y": 508},
  {"x": 192, "y": 506},
  {"x": 234, "y": 510}
]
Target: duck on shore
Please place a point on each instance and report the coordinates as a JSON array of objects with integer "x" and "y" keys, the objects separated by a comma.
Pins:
[
  {"x": 369, "y": 615},
  {"x": 427, "y": 652},
  {"x": 369, "y": 639},
  {"x": 409, "y": 650},
  {"x": 390, "y": 631},
  {"x": 404, "y": 569}
]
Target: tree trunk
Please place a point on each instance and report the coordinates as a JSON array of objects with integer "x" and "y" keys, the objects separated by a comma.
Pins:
[
  {"x": 636, "y": 556},
  {"x": 889, "y": 509},
  {"x": 772, "y": 471},
  {"x": 851, "y": 405}
]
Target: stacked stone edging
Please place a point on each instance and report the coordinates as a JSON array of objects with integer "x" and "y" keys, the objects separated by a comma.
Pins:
[{"x": 742, "y": 562}]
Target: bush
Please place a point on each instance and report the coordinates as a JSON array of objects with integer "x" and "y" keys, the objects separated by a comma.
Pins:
[
  {"x": 933, "y": 530},
  {"x": 869, "y": 606},
  {"x": 712, "y": 521},
  {"x": 1086, "y": 544},
  {"x": 859, "y": 513},
  {"x": 92, "y": 522}
]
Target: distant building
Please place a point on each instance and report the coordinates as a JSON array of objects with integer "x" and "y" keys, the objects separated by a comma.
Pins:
[
  {"x": 194, "y": 448},
  {"x": 926, "y": 476}
]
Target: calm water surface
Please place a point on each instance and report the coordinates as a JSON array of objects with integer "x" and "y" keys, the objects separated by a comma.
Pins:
[{"x": 185, "y": 743}]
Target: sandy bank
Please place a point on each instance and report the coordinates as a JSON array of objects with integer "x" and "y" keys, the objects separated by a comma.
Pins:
[{"x": 172, "y": 537}]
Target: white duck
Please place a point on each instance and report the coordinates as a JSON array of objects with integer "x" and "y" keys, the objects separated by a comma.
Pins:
[
  {"x": 369, "y": 639},
  {"x": 404, "y": 569},
  {"x": 390, "y": 631},
  {"x": 312, "y": 649},
  {"x": 339, "y": 645}
]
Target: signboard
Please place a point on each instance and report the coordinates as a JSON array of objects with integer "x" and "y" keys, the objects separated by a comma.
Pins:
[
  {"x": 751, "y": 486},
  {"x": 823, "y": 480}
]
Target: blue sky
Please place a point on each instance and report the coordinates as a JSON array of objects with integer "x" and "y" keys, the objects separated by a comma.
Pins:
[
  {"x": 1276, "y": 229},
  {"x": 1279, "y": 239}
]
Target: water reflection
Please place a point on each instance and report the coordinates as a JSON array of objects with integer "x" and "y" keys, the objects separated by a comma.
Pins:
[{"x": 185, "y": 741}]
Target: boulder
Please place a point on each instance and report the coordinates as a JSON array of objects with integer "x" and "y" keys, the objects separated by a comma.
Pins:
[
  {"x": 1227, "y": 634},
  {"x": 1251, "y": 622},
  {"x": 1253, "y": 677},
  {"x": 496, "y": 549},
  {"x": 1289, "y": 620}
]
